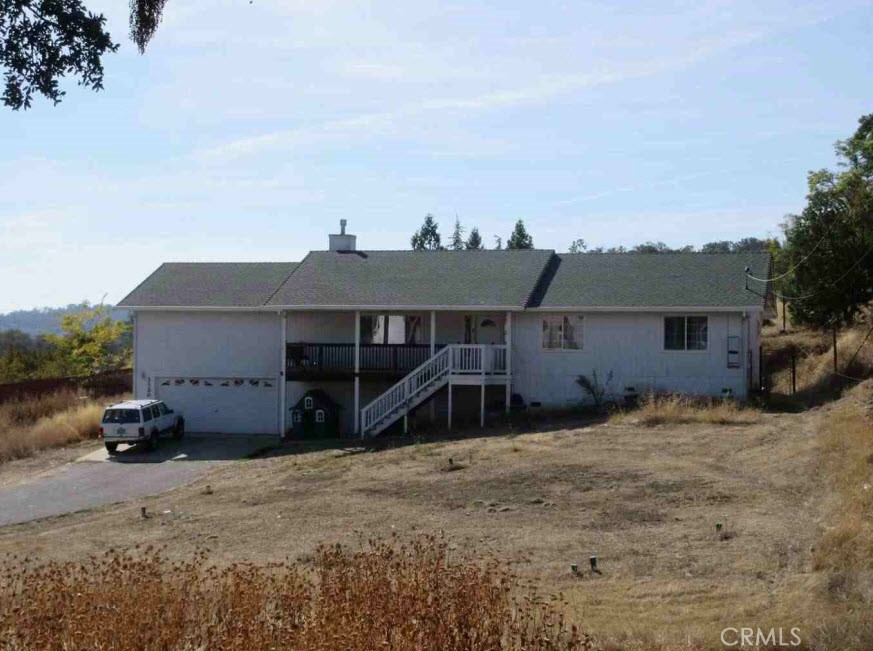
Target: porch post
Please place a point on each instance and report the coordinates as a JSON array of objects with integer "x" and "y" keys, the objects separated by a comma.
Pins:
[
  {"x": 482, "y": 406},
  {"x": 357, "y": 372},
  {"x": 508, "y": 342},
  {"x": 450, "y": 403},
  {"x": 432, "y": 352},
  {"x": 282, "y": 384}
]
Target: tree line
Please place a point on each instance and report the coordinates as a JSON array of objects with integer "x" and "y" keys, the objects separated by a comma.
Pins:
[{"x": 428, "y": 238}]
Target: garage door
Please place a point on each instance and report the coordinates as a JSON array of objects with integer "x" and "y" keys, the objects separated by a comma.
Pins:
[{"x": 222, "y": 405}]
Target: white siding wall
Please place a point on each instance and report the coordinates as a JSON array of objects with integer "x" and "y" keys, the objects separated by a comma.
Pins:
[
  {"x": 210, "y": 345},
  {"x": 246, "y": 345},
  {"x": 631, "y": 346}
]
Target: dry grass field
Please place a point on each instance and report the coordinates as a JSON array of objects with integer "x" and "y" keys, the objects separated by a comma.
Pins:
[
  {"x": 645, "y": 499},
  {"x": 702, "y": 516}
]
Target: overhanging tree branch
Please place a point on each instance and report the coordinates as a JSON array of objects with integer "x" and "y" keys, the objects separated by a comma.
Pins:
[{"x": 42, "y": 41}]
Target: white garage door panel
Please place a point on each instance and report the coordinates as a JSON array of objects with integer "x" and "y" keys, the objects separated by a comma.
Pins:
[{"x": 239, "y": 406}]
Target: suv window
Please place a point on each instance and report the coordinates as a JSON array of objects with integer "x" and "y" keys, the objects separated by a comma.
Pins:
[
  {"x": 121, "y": 416},
  {"x": 146, "y": 414},
  {"x": 163, "y": 408},
  {"x": 156, "y": 413}
]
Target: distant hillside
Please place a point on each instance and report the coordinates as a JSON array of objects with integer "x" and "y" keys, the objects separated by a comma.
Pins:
[{"x": 46, "y": 320}]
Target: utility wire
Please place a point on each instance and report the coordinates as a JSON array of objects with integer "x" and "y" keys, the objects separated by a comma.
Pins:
[
  {"x": 801, "y": 261},
  {"x": 831, "y": 284}
]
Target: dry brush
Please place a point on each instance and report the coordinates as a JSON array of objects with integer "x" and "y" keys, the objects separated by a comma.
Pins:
[{"x": 396, "y": 595}]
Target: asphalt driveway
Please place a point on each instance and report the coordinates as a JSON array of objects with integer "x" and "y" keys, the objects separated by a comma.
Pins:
[{"x": 97, "y": 479}]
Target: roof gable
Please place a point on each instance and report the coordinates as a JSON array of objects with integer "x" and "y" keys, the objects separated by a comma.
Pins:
[{"x": 414, "y": 279}]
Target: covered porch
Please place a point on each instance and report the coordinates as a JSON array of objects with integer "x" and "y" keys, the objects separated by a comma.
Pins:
[{"x": 386, "y": 346}]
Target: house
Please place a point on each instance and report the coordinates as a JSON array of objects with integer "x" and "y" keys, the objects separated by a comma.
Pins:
[{"x": 449, "y": 334}]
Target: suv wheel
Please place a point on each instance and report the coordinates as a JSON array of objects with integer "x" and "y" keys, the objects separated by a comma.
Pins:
[
  {"x": 179, "y": 429},
  {"x": 112, "y": 448},
  {"x": 153, "y": 441}
]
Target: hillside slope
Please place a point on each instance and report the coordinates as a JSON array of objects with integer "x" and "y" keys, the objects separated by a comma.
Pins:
[{"x": 47, "y": 320}]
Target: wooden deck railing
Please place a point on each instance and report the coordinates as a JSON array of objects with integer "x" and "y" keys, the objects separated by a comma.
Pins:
[{"x": 312, "y": 358}]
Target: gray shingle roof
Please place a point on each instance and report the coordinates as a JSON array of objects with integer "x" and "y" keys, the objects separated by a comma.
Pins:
[
  {"x": 210, "y": 284},
  {"x": 510, "y": 279},
  {"x": 414, "y": 278},
  {"x": 653, "y": 280}
]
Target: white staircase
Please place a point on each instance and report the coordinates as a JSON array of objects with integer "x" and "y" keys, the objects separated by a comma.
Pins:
[{"x": 472, "y": 361}]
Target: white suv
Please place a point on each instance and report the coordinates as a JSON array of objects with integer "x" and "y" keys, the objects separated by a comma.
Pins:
[{"x": 137, "y": 421}]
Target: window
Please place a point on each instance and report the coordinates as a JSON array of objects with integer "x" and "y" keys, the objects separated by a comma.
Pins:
[
  {"x": 156, "y": 412},
  {"x": 686, "y": 333},
  {"x": 163, "y": 408},
  {"x": 146, "y": 414},
  {"x": 319, "y": 416},
  {"x": 307, "y": 402},
  {"x": 391, "y": 329},
  {"x": 121, "y": 416},
  {"x": 562, "y": 332},
  {"x": 296, "y": 416}
]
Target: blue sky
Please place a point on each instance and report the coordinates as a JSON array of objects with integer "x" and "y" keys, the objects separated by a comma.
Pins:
[{"x": 247, "y": 130}]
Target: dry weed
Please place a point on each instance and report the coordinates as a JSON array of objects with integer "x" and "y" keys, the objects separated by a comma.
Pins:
[
  {"x": 52, "y": 420},
  {"x": 388, "y": 595},
  {"x": 671, "y": 409},
  {"x": 814, "y": 356},
  {"x": 847, "y": 457}
]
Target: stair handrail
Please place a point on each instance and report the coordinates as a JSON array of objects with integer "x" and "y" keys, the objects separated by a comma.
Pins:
[{"x": 403, "y": 391}]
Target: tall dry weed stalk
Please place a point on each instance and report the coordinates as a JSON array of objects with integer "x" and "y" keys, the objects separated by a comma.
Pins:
[
  {"x": 416, "y": 595},
  {"x": 667, "y": 409},
  {"x": 847, "y": 458},
  {"x": 814, "y": 358},
  {"x": 51, "y": 420}
]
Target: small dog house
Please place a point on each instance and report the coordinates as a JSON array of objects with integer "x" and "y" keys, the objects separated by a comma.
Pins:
[{"x": 315, "y": 415}]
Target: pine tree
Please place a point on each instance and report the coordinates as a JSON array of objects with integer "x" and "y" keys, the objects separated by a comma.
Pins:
[
  {"x": 427, "y": 238},
  {"x": 457, "y": 242},
  {"x": 520, "y": 239},
  {"x": 474, "y": 242},
  {"x": 498, "y": 243}
]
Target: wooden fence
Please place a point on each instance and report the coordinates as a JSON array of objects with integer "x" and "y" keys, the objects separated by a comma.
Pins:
[{"x": 107, "y": 383}]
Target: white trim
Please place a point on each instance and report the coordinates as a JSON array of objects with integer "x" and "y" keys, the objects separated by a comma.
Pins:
[
  {"x": 665, "y": 309},
  {"x": 358, "y": 373},
  {"x": 135, "y": 383},
  {"x": 443, "y": 308},
  {"x": 685, "y": 351},
  {"x": 327, "y": 308},
  {"x": 283, "y": 386},
  {"x": 507, "y": 336}
]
